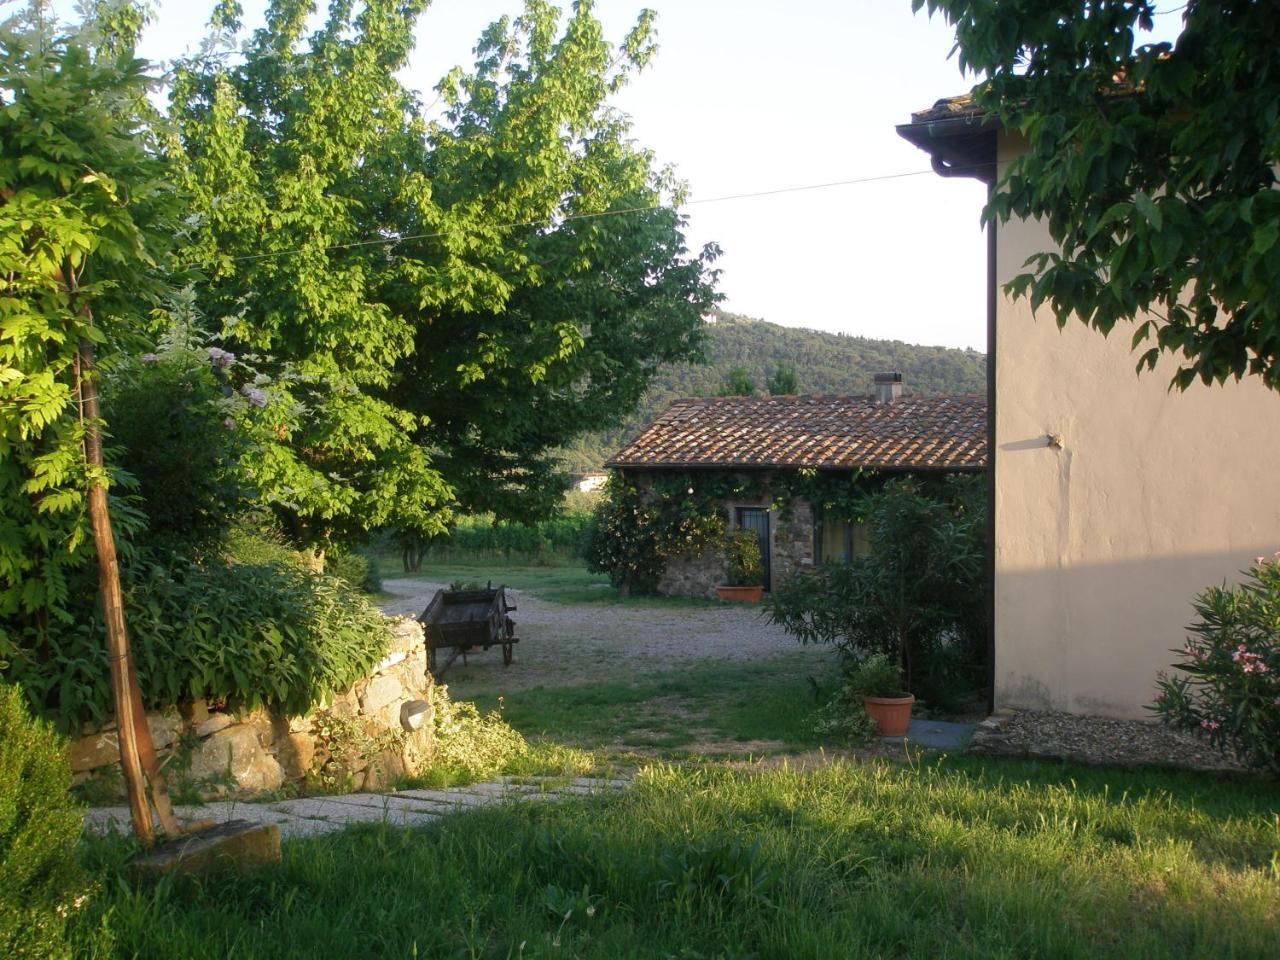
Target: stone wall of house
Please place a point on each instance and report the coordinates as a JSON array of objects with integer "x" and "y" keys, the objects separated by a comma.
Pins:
[
  {"x": 365, "y": 738},
  {"x": 791, "y": 534},
  {"x": 694, "y": 574},
  {"x": 792, "y": 531}
]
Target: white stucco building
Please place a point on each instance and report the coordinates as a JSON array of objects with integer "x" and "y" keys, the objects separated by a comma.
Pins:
[{"x": 1114, "y": 500}]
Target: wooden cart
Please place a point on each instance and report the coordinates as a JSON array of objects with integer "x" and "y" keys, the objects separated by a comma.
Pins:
[{"x": 462, "y": 620}]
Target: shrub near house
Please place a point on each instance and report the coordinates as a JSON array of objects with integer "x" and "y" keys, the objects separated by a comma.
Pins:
[
  {"x": 1229, "y": 687},
  {"x": 917, "y": 596}
]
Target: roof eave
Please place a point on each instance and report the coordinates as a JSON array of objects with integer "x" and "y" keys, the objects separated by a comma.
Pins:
[
  {"x": 963, "y": 146},
  {"x": 729, "y": 465}
]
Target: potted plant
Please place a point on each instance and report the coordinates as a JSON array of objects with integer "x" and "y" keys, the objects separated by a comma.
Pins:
[
  {"x": 744, "y": 566},
  {"x": 884, "y": 696}
]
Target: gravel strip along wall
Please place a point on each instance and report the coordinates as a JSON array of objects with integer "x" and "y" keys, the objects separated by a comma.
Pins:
[{"x": 1068, "y": 736}]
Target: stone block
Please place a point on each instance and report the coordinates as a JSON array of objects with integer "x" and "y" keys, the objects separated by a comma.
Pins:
[
  {"x": 236, "y": 843},
  {"x": 214, "y": 723},
  {"x": 237, "y": 752},
  {"x": 390, "y": 660},
  {"x": 381, "y": 692},
  {"x": 345, "y": 704},
  {"x": 93, "y": 751},
  {"x": 295, "y": 752},
  {"x": 384, "y": 770},
  {"x": 196, "y": 712}
]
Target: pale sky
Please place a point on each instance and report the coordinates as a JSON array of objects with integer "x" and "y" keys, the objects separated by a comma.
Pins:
[{"x": 753, "y": 95}]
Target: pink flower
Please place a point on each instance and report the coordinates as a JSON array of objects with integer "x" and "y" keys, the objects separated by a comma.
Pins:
[
  {"x": 221, "y": 358},
  {"x": 1249, "y": 662},
  {"x": 1259, "y": 561},
  {"x": 256, "y": 397},
  {"x": 1210, "y": 724}
]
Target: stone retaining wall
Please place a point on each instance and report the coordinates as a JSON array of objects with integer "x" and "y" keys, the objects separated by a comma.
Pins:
[{"x": 365, "y": 738}]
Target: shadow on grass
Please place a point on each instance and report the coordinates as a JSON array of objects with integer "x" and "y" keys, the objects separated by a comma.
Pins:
[{"x": 768, "y": 701}]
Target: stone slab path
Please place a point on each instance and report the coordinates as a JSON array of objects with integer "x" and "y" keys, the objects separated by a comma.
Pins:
[
  {"x": 308, "y": 816},
  {"x": 936, "y": 735}
]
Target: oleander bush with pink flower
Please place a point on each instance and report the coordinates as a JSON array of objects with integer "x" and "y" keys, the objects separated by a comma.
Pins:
[{"x": 1227, "y": 684}]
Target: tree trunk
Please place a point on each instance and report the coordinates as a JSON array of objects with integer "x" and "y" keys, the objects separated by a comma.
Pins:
[{"x": 137, "y": 751}]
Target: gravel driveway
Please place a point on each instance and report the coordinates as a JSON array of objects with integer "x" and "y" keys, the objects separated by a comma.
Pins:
[{"x": 571, "y": 644}]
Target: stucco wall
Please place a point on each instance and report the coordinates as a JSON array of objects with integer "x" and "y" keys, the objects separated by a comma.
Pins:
[{"x": 1101, "y": 544}]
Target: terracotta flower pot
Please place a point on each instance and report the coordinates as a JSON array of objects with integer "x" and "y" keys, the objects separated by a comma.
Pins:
[
  {"x": 740, "y": 594},
  {"x": 891, "y": 714}
]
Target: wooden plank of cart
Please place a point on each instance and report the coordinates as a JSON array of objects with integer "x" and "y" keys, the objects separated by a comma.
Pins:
[{"x": 462, "y": 620}]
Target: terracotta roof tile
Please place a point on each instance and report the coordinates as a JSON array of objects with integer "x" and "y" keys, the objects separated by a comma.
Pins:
[{"x": 911, "y": 433}]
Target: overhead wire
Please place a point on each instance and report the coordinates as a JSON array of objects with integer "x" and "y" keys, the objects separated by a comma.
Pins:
[{"x": 391, "y": 241}]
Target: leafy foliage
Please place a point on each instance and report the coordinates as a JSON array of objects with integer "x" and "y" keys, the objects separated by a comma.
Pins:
[
  {"x": 174, "y": 431},
  {"x": 782, "y": 382},
  {"x": 1228, "y": 686},
  {"x": 599, "y": 299},
  {"x": 642, "y": 523},
  {"x": 1152, "y": 164},
  {"x": 918, "y": 597},
  {"x": 41, "y": 880},
  {"x": 743, "y": 562},
  {"x": 358, "y": 570},
  {"x": 844, "y": 717},
  {"x": 832, "y": 363},
  {"x": 738, "y": 383},
  {"x": 85, "y": 218},
  {"x": 471, "y": 744},
  {"x": 446, "y": 286},
  {"x": 244, "y": 635},
  {"x": 486, "y": 536},
  {"x": 874, "y": 676}
]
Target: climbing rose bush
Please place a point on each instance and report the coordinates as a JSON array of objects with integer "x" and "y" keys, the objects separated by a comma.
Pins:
[{"x": 1227, "y": 684}]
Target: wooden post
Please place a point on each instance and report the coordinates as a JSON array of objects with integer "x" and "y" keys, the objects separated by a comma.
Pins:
[{"x": 137, "y": 750}]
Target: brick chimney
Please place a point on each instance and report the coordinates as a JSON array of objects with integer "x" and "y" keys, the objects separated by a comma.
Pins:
[{"x": 888, "y": 387}]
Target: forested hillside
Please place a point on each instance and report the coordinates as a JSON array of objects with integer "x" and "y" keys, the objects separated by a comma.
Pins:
[{"x": 823, "y": 363}]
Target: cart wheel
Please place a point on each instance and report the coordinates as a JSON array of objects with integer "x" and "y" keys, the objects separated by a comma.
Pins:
[{"x": 506, "y": 654}]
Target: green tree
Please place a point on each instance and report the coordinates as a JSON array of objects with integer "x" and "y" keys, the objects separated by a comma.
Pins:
[
  {"x": 85, "y": 217},
  {"x": 296, "y": 153},
  {"x": 601, "y": 290},
  {"x": 1152, "y": 164},
  {"x": 782, "y": 382},
  {"x": 738, "y": 383},
  {"x": 445, "y": 302}
]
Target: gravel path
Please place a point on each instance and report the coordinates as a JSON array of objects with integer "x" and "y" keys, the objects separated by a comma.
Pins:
[{"x": 573, "y": 644}]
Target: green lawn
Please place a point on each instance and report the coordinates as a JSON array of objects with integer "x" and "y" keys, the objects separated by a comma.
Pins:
[
  {"x": 951, "y": 859},
  {"x": 770, "y": 700}
]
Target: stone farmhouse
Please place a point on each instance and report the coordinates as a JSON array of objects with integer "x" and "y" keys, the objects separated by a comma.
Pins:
[{"x": 772, "y": 438}]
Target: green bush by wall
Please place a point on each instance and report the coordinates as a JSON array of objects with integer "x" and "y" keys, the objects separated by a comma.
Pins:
[
  {"x": 241, "y": 634},
  {"x": 41, "y": 881}
]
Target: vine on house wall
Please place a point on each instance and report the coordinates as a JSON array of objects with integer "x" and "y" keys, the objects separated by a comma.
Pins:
[{"x": 648, "y": 517}]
